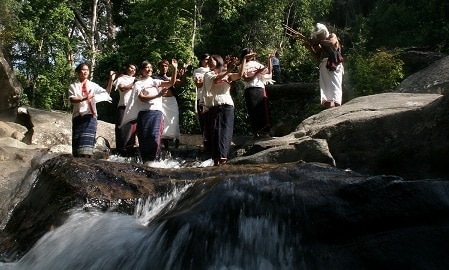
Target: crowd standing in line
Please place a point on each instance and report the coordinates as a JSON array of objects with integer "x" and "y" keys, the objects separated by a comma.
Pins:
[
  {"x": 326, "y": 46},
  {"x": 148, "y": 107},
  {"x": 84, "y": 95},
  {"x": 145, "y": 105},
  {"x": 150, "y": 123},
  {"x": 125, "y": 135},
  {"x": 255, "y": 76},
  {"x": 200, "y": 109}
]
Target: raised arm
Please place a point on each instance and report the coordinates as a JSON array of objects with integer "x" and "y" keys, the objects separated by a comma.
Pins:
[
  {"x": 270, "y": 64},
  {"x": 314, "y": 49},
  {"x": 182, "y": 75},
  {"x": 239, "y": 74},
  {"x": 112, "y": 75},
  {"x": 172, "y": 81},
  {"x": 229, "y": 60}
]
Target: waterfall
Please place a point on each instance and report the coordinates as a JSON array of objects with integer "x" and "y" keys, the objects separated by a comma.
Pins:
[
  {"x": 180, "y": 230},
  {"x": 147, "y": 209},
  {"x": 288, "y": 216}
]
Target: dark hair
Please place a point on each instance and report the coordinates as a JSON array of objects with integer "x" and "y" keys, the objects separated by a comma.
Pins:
[
  {"x": 219, "y": 61},
  {"x": 204, "y": 56},
  {"x": 245, "y": 51},
  {"x": 80, "y": 66},
  {"x": 145, "y": 64},
  {"x": 163, "y": 61},
  {"x": 125, "y": 70}
]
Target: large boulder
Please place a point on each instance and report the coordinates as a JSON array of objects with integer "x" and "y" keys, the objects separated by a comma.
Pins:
[
  {"x": 431, "y": 79},
  {"x": 276, "y": 216},
  {"x": 28, "y": 137},
  {"x": 397, "y": 133},
  {"x": 10, "y": 88},
  {"x": 49, "y": 128}
]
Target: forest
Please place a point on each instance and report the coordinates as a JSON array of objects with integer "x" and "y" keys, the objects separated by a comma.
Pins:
[{"x": 45, "y": 39}]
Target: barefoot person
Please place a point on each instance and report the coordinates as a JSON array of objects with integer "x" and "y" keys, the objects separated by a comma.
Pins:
[{"x": 327, "y": 47}]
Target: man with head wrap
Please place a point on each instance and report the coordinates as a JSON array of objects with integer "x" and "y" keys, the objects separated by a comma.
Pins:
[{"x": 326, "y": 46}]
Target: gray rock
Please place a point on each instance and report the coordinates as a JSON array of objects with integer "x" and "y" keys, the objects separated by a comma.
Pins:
[
  {"x": 10, "y": 88},
  {"x": 397, "y": 133},
  {"x": 432, "y": 79}
]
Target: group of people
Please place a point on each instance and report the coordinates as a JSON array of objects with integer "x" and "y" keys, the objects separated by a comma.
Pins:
[
  {"x": 148, "y": 109},
  {"x": 214, "y": 103}
]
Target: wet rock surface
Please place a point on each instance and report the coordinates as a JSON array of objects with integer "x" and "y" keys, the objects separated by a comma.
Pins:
[{"x": 316, "y": 215}]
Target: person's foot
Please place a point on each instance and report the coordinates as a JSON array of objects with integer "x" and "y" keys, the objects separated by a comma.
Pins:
[
  {"x": 222, "y": 161},
  {"x": 165, "y": 142}
]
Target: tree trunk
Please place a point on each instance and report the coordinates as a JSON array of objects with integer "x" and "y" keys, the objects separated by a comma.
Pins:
[{"x": 93, "y": 44}]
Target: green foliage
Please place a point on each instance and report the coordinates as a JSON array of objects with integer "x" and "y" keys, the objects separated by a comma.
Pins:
[
  {"x": 156, "y": 31},
  {"x": 298, "y": 65},
  {"x": 409, "y": 23},
  {"x": 40, "y": 52},
  {"x": 241, "y": 120},
  {"x": 373, "y": 73},
  {"x": 186, "y": 102},
  {"x": 41, "y": 35},
  {"x": 8, "y": 21}
]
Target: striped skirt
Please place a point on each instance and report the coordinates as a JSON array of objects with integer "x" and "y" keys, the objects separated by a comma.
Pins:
[
  {"x": 258, "y": 110},
  {"x": 84, "y": 129},
  {"x": 222, "y": 122},
  {"x": 150, "y": 125},
  {"x": 125, "y": 135}
]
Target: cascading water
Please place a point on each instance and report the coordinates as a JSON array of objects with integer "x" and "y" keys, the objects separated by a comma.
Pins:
[
  {"x": 174, "y": 231},
  {"x": 97, "y": 240},
  {"x": 283, "y": 216}
]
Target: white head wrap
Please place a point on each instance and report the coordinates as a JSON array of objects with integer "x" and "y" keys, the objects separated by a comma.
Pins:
[{"x": 320, "y": 29}]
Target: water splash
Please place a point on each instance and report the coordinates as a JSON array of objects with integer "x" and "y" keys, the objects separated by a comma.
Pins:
[
  {"x": 168, "y": 162},
  {"x": 179, "y": 230},
  {"x": 147, "y": 209}
]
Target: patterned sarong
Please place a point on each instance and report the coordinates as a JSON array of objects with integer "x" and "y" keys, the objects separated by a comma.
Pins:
[
  {"x": 125, "y": 134},
  {"x": 84, "y": 129},
  {"x": 149, "y": 130},
  {"x": 258, "y": 111},
  {"x": 222, "y": 118}
]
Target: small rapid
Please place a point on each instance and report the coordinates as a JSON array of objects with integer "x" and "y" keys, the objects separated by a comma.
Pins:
[
  {"x": 190, "y": 227},
  {"x": 168, "y": 161},
  {"x": 99, "y": 240}
]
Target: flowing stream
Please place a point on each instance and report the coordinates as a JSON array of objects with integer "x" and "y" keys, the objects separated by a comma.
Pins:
[
  {"x": 180, "y": 230},
  {"x": 284, "y": 216}
]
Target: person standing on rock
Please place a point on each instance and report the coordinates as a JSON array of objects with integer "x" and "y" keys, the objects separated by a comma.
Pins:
[
  {"x": 275, "y": 62},
  {"x": 145, "y": 105},
  {"x": 125, "y": 135},
  {"x": 217, "y": 87},
  {"x": 326, "y": 46},
  {"x": 201, "y": 111},
  {"x": 170, "y": 108},
  {"x": 83, "y": 95},
  {"x": 255, "y": 76}
]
